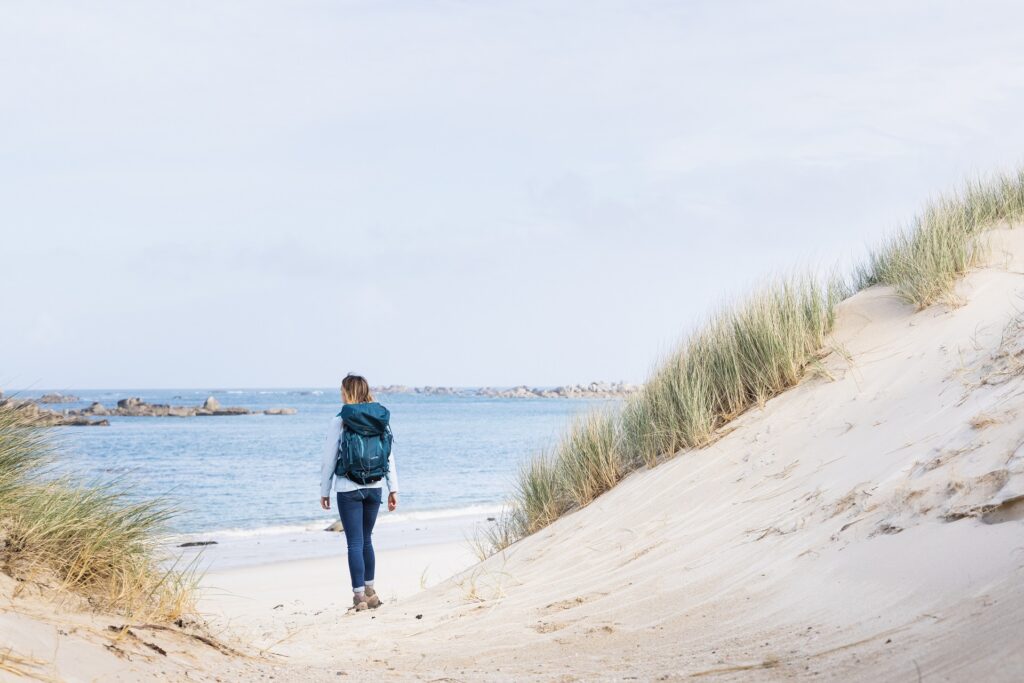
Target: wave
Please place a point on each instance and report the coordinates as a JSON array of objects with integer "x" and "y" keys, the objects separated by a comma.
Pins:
[
  {"x": 320, "y": 524},
  {"x": 419, "y": 515}
]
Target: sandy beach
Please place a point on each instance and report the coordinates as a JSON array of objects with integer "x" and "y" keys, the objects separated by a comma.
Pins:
[
  {"x": 262, "y": 605},
  {"x": 253, "y": 595}
]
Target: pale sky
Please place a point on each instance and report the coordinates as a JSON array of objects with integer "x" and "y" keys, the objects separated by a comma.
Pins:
[{"x": 242, "y": 194}]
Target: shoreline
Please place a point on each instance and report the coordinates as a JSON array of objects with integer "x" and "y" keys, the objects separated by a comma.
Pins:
[{"x": 237, "y": 549}]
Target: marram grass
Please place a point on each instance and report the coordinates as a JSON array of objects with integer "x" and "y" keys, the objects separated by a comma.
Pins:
[
  {"x": 741, "y": 357},
  {"x": 744, "y": 355},
  {"x": 90, "y": 539},
  {"x": 924, "y": 261}
]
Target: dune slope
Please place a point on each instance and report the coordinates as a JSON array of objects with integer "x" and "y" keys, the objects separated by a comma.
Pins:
[{"x": 867, "y": 524}]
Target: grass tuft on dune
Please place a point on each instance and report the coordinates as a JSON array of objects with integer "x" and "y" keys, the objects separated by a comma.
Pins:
[
  {"x": 744, "y": 355},
  {"x": 924, "y": 261},
  {"x": 90, "y": 539}
]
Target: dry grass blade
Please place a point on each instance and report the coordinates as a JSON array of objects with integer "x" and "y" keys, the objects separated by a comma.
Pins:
[{"x": 23, "y": 667}]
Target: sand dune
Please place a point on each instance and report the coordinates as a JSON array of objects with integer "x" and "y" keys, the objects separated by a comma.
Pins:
[{"x": 865, "y": 525}]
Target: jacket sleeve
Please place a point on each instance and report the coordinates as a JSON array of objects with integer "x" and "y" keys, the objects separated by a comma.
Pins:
[
  {"x": 392, "y": 477},
  {"x": 329, "y": 457}
]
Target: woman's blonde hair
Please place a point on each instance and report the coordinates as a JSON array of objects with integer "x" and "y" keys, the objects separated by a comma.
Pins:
[{"x": 355, "y": 389}]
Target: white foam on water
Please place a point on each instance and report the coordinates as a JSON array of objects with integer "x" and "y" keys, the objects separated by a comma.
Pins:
[{"x": 319, "y": 524}]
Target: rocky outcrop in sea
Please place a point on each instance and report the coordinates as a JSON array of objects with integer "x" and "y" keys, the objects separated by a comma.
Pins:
[
  {"x": 57, "y": 398},
  {"x": 592, "y": 390},
  {"x": 30, "y": 413},
  {"x": 136, "y": 407}
]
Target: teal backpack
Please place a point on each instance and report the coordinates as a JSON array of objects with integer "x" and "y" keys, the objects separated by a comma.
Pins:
[{"x": 365, "y": 442}]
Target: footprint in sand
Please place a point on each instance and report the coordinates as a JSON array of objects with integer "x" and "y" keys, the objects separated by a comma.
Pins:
[{"x": 562, "y": 605}]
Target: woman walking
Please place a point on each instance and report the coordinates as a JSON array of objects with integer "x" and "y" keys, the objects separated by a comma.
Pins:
[{"x": 356, "y": 461}]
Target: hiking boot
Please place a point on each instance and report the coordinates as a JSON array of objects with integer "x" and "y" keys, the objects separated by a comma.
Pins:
[
  {"x": 359, "y": 602},
  {"x": 372, "y": 601}
]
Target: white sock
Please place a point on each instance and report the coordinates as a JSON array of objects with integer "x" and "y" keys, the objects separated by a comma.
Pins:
[
  {"x": 359, "y": 591},
  {"x": 369, "y": 584}
]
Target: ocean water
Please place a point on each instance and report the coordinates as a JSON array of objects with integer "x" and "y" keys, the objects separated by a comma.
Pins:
[{"x": 259, "y": 474}]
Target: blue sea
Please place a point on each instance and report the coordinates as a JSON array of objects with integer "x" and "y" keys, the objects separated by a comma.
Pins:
[{"x": 259, "y": 474}]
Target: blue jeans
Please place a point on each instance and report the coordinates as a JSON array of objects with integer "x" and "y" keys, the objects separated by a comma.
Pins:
[{"x": 358, "y": 511}]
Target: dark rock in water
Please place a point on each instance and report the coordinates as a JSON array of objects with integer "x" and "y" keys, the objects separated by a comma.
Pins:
[
  {"x": 96, "y": 408},
  {"x": 57, "y": 420},
  {"x": 193, "y": 544},
  {"x": 129, "y": 403},
  {"x": 335, "y": 526},
  {"x": 80, "y": 421},
  {"x": 232, "y": 411}
]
